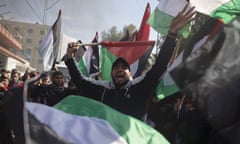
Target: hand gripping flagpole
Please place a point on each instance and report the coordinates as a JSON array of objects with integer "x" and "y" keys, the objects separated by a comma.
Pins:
[{"x": 80, "y": 45}]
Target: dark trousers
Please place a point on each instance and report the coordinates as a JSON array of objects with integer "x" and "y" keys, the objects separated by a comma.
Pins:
[{"x": 5, "y": 132}]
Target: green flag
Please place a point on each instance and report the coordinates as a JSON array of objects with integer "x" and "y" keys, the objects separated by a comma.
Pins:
[
  {"x": 163, "y": 15},
  {"x": 132, "y": 130},
  {"x": 226, "y": 10}
]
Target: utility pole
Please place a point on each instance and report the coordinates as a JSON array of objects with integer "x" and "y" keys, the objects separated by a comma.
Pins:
[
  {"x": 46, "y": 8},
  {"x": 45, "y": 12}
]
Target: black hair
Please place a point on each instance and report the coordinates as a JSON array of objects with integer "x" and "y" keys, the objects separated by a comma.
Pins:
[{"x": 122, "y": 61}]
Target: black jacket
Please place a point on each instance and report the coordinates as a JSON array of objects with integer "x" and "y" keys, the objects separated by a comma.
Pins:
[{"x": 132, "y": 98}]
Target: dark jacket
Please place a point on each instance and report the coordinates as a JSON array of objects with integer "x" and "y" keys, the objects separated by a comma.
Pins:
[
  {"x": 132, "y": 98},
  {"x": 51, "y": 94}
]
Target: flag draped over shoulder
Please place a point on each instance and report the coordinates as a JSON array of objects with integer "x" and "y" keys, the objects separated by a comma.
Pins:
[
  {"x": 226, "y": 10},
  {"x": 163, "y": 15},
  {"x": 89, "y": 63},
  {"x": 130, "y": 51},
  {"x": 48, "y": 49}
]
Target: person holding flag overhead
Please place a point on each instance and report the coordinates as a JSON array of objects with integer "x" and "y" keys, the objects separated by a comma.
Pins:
[{"x": 123, "y": 93}]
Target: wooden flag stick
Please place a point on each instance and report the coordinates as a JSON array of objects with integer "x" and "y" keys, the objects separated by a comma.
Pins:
[{"x": 86, "y": 44}]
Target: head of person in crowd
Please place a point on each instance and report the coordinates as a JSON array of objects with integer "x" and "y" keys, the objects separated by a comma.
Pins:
[
  {"x": 15, "y": 80},
  {"x": 45, "y": 80},
  {"x": 33, "y": 74},
  {"x": 4, "y": 81},
  {"x": 15, "y": 76},
  {"x": 5, "y": 73},
  {"x": 57, "y": 79},
  {"x": 121, "y": 72}
]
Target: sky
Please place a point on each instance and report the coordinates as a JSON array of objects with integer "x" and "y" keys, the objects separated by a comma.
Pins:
[{"x": 81, "y": 19}]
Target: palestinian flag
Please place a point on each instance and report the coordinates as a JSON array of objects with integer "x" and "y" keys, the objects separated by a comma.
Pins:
[
  {"x": 167, "y": 85},
  {"x": 136, "y": 50},
  {"x": 89, "y": 63},
  {"x": 129, "y": 129},
  {"x": 211, "y": 77},
  {"x": 49, "y": 47},
  {"x": 227, "y": 10},
  {"x": 144, "y": 29},
  {"x": 74, "y": 120},
  {"x": 164, "y": 13},
  {"x": 142, "y": 34},
  {"x": 200, "y": 38},
  {"x": 130, "y": 51}
]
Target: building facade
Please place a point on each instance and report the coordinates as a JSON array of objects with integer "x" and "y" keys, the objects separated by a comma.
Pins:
[
  {"x": 29, "y": 36},
  {"x": 8, "y": 59}
]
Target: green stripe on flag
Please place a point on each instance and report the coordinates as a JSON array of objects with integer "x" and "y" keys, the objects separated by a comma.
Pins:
[
  {"x": 83, "y": 68},
  {"x": 163, "y": 91},
  {"x": 107, "y": 58},
  {"x": 131, "y": 129},
  {"x": 161, "y": 21},
  {"x": 228, "y": 11}
]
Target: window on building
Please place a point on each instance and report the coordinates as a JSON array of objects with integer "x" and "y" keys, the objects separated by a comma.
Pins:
[
  {"x": 30, "y": 31},
  {"x": 28, "y": 59},
  {"x": 17, "y": 29},
  {"x": 29, "y": 40},
  {"x": 42, "y": 32},
  {"x": 40, "y": 61},
  {"x": 27, "y": 53}
]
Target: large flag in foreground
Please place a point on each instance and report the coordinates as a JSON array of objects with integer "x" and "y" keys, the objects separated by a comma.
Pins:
[
  {"x": 75, "y": 120},
  {"x": 227, "y": 10},
  {"x": 211, "y": 77},
  {"x": 129, "y": 129},
  {"x": 48, "y": 49}
]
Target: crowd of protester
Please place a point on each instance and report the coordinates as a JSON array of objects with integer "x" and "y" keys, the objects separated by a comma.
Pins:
[
  {"x": 174, "y": 117},
  {"x": 49, "y": 90}
]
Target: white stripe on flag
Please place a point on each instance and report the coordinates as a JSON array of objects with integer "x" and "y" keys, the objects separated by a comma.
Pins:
[
  {"x": 87, "y": 58},
  {"x": 76, "y": 129},
  {"x": 46, "y": 51},
  {"x": 171, "y": 7},
  {"x": 208, "y": 6}
]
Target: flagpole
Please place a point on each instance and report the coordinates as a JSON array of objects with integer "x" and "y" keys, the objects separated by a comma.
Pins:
[
  {"x": 45, "y": 12},
  {"x": 79, "y": 46},
  {"x": 87, "y": 44}
]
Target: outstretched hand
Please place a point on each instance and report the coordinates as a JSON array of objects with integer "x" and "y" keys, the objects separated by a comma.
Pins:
[{"x": 183, "y": 17}]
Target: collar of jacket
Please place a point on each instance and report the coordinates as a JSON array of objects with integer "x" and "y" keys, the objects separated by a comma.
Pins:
[{"x": 126, "y": 86}]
